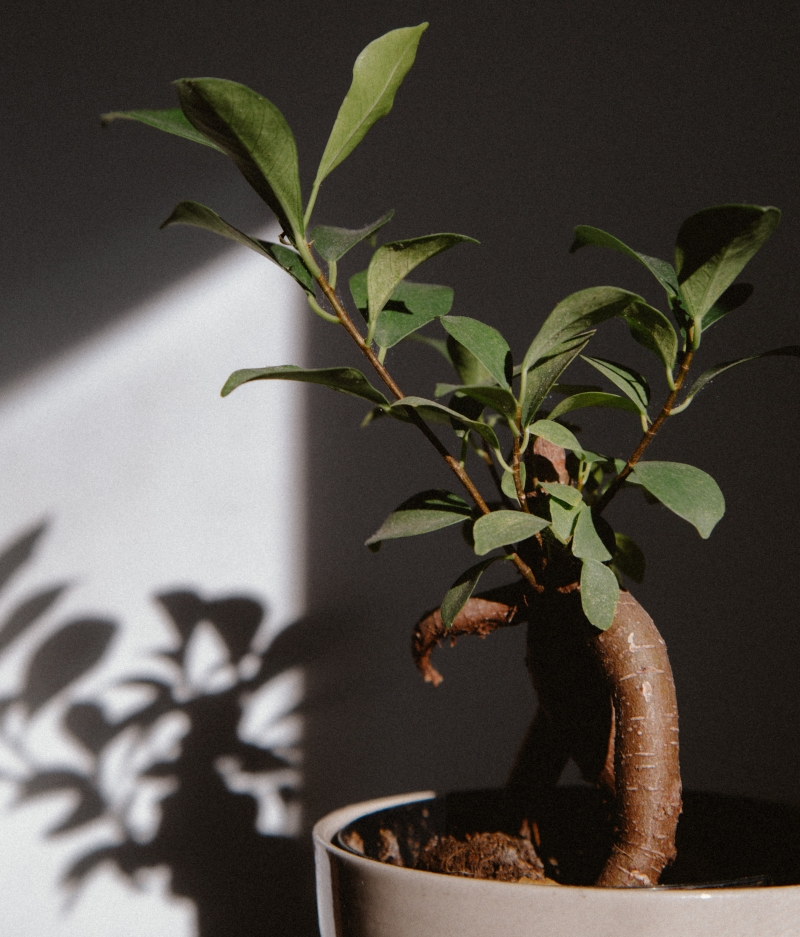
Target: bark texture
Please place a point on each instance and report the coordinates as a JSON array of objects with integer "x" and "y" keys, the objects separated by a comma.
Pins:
[{"x": 606, "y": 699}]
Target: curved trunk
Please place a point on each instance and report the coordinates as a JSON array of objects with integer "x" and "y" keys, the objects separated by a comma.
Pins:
[{"x": 606, "y": 699}]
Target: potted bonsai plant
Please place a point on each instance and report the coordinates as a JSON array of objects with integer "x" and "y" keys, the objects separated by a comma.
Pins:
[{"x": 598, "y": 664}]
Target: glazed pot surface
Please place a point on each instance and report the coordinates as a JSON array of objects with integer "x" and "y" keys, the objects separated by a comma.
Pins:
[{"x": 361, "y": 897}]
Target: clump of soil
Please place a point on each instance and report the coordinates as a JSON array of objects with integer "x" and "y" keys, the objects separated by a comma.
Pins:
[{"x": 483, "y": 855}]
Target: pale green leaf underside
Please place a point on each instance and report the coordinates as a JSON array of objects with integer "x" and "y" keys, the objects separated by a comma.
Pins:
[
  {"x": 438, "y": 413},
  {"x": 498, "y": 398},
  {"x": 392, "y": 262},
  {"x": 460, "y": 592},
  {"x": 631, "y": 383},
  {"x": 172, "y": 120},
  {"x": 593, "y": 399},
  {"x": 377, "y": 74},
  {"x": 599, "y": 594},
  {"x": 193, "y": 213},
  {"x": 661, "y": 270},
  {"x": 555, "y": 433},
  {"x": 504, "y": 527},
  {"x": 714, "y": 245},
  {"x": 562, "y": 519},
  {"x": 254, "y": 133},
  {"x": 485, "y": 343},
  {"x": 348, "y": 381},
  {"x": 687, "y": 491},
  {"x": 423, "y": 513},
  {"x": 565, "y": 493},
  {"x": 333, "y": 243},
  {"x": 508, "y": 486}
]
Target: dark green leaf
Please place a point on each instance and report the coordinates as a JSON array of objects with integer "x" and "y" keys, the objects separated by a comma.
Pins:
[
  {"x": 346, "y": 380},
  {"x": 437, "y": 344},
  {"x": 392, "y": 262},
  {"x": 333, "y": 243},
  {"x": 377, "y": 74},
  {"x": 576, "y": 315},
  {"x": 254, "y": 133},
  {"x": 661, "y": 270},
  {"x": 628, "y": 558},
  {"x": 586, "y": 543},
  {"x": 714, "y": 245},
  {"x": 428, "y": 511},
  {"x": 599, "y": 594},
  {"x": 593, "y": 399},
  {"x": 412, "y": 305},
  {"x": 542, "y": 376},
  {"x": 171, "y": 120},
  {"x": 459, "y": 593},
  {"x": 193, "y": 213},
  {"x": 498, "y": 398},
  {"x": 654, "y": 331},
  {"x": 555, "y": 433},
  {"x": 706, "y": 377},
  {"x": 630, "y": 382},
  {"x": 438, "y": 413},
  {"x": 565, "y": 493},
  {"x": 503, "y": 527},
  {"x": 733, "y": 297},
  {"x": 691, "y": 493},
  {"x": 485, "y": 343}
]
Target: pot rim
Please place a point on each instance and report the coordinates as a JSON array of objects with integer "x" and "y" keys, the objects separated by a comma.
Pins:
[{"x": 326, "y": 828}]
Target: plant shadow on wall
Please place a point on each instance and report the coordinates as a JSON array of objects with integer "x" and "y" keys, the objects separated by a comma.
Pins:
[{"x": 199, "y": 775}]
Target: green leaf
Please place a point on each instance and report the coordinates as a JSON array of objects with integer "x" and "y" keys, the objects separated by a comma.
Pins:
[
  {"x": 460, "y": 592},
  {"x": 661, "y": 270},
  {"x": 507, "y": 485},
  {"x": 424, "y": 513},
  {"x": 555, "y": 433},
  {"x": 392, "y": 262},
  {"x": 498, "y": 398},
  {"x": 411, "y": 306},
  {"x": 565, "y": 493},
  {"x": 562, "y": 519},
  {"x": 437, "y": 344},
  {"x": 503, "y": 527},
  {"x": 687, "y": 491},
  {"x": 438, "y": 413},
  {"x": 714, "y": 245},
  {"x": 377, "y": 74},
  {"x": 599, "y": 594},
  {"x": 593, "y": 399},
  {"x": 348, "y": 381},
  {"x": 654, "y": 331},
  {"x": 586, "y": 543},
  {"x": 628, "y": 558},
  {"x": 333, "y": 243},
  {"x": 576, "y": 315},
  {"x": 541, "y": 378},
  {"x": 193, "y": 213},
  {"x": 485, "y": 343},
  {"x": 254, "y": 133},
  {"x": 467, "y": 366},
  {"x": 706, "y": 377},
  {"x": 733, "y": 297},
  {"x": 630, "y": 382},
  {"x": 171, "y": 120}
]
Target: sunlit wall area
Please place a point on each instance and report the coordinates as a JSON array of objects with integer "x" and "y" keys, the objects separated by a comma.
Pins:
[{"x": 151, "y": 550}]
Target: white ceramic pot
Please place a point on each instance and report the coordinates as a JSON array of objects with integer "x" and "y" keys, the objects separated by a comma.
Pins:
[{"x": 361, "y": 897}]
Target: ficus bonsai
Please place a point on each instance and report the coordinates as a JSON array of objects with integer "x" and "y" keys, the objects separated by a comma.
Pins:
[{"x": 598, "y": 663}]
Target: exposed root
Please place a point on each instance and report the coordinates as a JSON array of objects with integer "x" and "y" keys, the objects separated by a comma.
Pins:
[{"x": 481, "y": 615}]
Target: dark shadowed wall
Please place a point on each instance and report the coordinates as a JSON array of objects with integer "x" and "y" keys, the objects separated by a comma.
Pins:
[{"x": 518, "y": 121}]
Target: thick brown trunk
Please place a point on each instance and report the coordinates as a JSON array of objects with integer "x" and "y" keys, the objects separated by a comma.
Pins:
[{"x": 606, "y": 699}]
